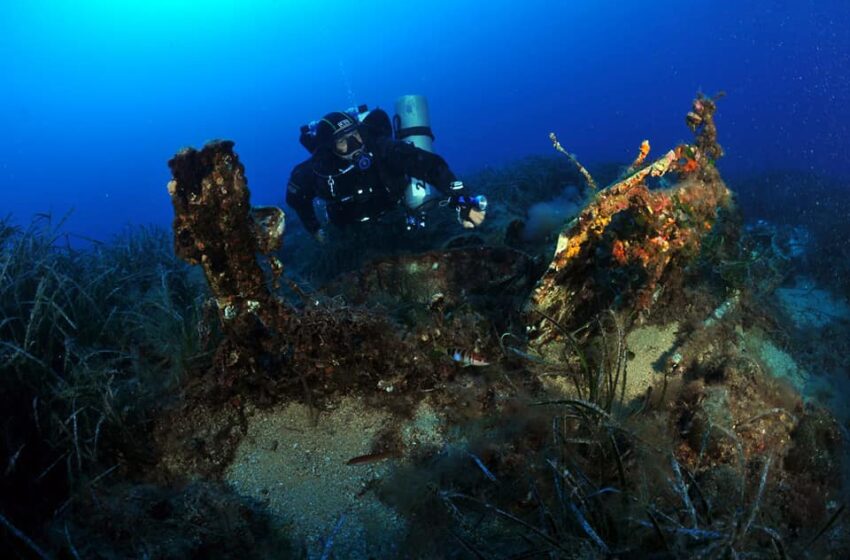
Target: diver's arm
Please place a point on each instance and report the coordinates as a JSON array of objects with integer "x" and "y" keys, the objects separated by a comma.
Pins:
[
  {"x": 419, "y": 163},
  {"x": 303, "y": 206},
  {"x": 300, "y": 195},
  {"x": 432, "y": 168}
]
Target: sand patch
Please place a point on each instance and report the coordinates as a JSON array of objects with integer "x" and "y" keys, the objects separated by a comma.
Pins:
[
  {"x": 299, "y": 471},
  {"x": 823, "y": 388},
  {"x": 779, "y": 363},
  {"x": 650, "y": 345},
  {"x": 811, "y": 307}
]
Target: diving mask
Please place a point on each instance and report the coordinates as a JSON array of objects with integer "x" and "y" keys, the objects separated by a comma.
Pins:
[
  {"x": 349, "y": 145},
  {"x": 350, "y": 148}
]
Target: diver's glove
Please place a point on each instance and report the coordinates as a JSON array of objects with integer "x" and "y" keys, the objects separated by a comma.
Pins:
[{"x": 471, "y": 209}]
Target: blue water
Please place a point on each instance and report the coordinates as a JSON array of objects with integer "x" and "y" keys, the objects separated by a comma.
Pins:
[{"x": 98, "y": 95}]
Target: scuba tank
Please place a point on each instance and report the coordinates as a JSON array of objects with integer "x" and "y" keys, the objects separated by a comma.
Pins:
[{"x": 412, "y": 123}]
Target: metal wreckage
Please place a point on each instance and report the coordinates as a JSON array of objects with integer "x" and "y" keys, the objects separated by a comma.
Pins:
[
  {"x": 630, "y": 234},
  {"x": 711, "y": 455}
]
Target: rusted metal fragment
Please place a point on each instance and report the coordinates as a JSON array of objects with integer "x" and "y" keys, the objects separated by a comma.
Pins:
[
  {"x": 215, "y": 227},
  {"x": 700, "y": 119},
  {"x": 630, "y": 240},
  {"x": 269, "y": 223}
]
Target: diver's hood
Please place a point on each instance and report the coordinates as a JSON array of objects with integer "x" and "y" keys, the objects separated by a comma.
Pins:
[{"x": 334, "y": 125}]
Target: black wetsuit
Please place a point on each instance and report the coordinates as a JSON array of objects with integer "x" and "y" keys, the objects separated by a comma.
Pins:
[{"x": 353, "y": 195}]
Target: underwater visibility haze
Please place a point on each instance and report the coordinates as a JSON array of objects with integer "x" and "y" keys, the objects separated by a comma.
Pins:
[
  {"x": 617, "y": 326},
  {"x": 98, "y": 95}
]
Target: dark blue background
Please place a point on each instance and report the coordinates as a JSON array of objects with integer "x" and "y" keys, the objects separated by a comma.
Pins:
[{"x": 98, "y": 95}]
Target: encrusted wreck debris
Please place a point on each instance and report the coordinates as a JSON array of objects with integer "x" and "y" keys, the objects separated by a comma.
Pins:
[
  {"x": 631, "y": 240},
  {"x": 215, "y": 228},
  {"x": 703, "y": 452},
  {"x": 328, "y": 344}
]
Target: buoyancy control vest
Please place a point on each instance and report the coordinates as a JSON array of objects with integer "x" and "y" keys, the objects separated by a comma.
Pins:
[{"x": 353, "y": 195}]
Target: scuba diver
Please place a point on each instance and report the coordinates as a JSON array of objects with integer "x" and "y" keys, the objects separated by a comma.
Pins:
[{"x": 359, "y": 171}]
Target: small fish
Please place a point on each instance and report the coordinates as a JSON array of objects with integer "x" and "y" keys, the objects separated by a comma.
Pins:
[
  {"x": 371, "y": 458},
  {"x": 467, "y": 357},
  {"x": 483, "y": 467}
]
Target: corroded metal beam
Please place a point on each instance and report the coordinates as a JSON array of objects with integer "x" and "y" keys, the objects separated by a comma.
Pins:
[{"x": 215, "y": 227}]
